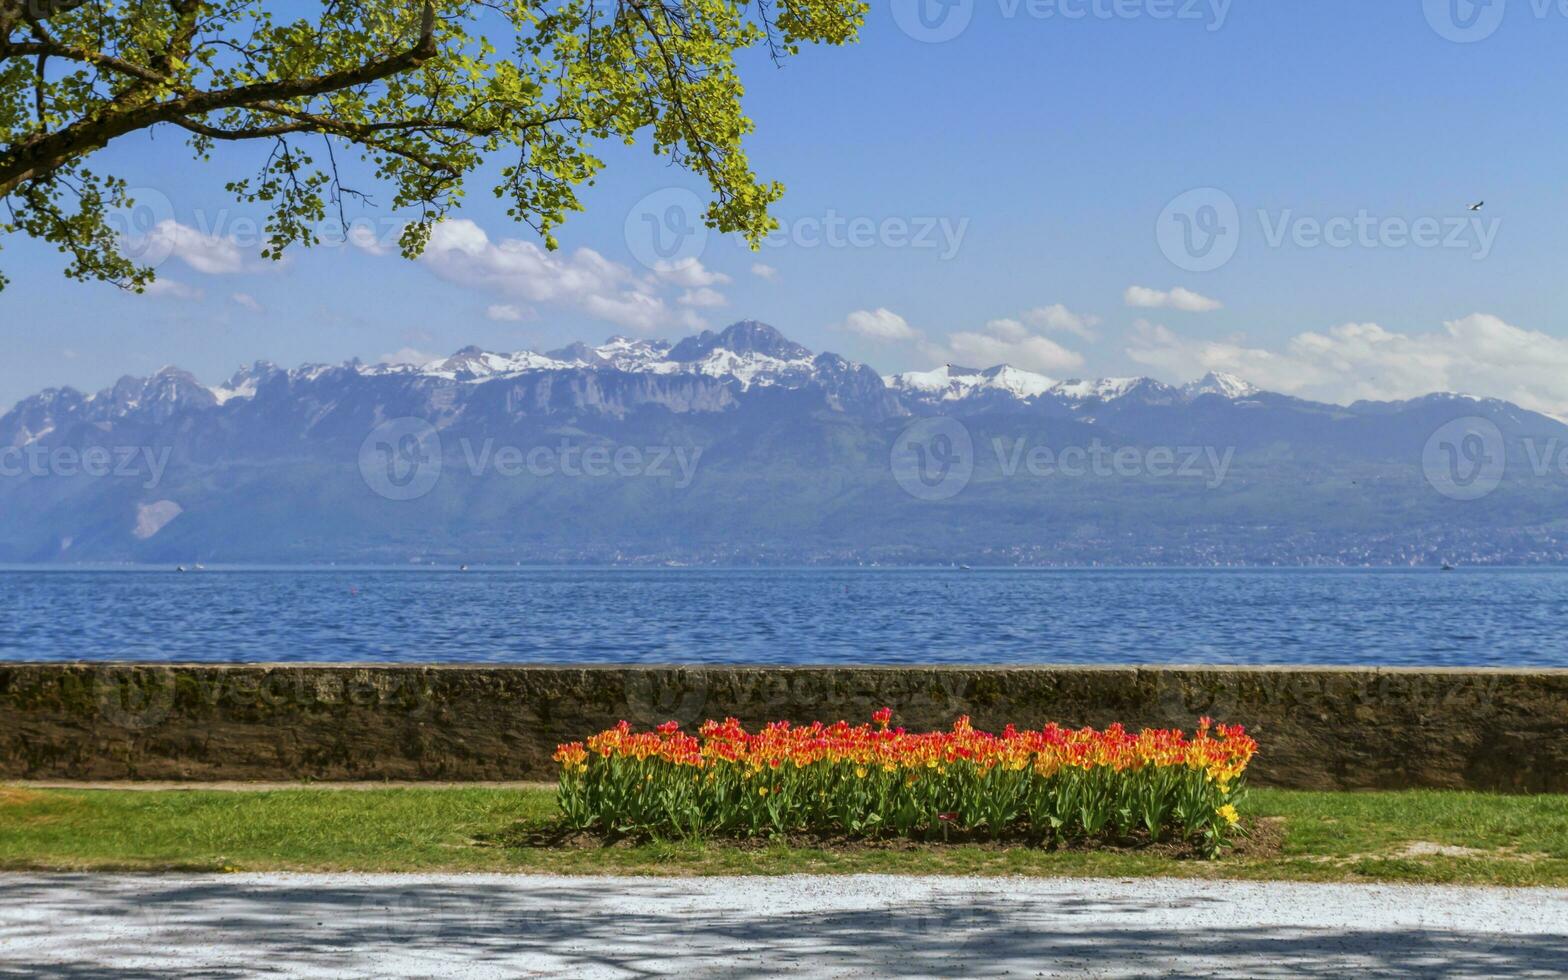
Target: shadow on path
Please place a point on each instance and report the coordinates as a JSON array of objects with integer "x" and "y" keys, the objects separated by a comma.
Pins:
[{"x": 70, "y": 926}]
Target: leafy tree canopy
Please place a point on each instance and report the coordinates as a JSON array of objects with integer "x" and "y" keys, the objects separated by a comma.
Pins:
[{"x": 424, "y": 90}]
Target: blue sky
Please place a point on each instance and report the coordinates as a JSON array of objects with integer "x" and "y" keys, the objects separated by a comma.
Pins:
[{"x": 1009, "y": 185}]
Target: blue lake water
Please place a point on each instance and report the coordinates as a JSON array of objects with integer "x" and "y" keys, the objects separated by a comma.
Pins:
[{"x": 1469, "y": 617}]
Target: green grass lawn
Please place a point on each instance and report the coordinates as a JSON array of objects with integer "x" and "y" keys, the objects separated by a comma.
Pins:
[{"x": 1421, "y": 836}]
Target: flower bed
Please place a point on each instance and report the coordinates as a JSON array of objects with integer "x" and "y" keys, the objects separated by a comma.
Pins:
[{"x": 1054, "y": 785}]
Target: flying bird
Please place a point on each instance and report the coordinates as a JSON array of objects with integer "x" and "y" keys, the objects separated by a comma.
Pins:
[{"x": 1478, "y": 205}]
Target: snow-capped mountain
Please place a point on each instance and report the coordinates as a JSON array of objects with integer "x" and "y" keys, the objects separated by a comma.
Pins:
[
  {"x": 472, "y": 364},
  {"x": 706, "y": 372},
  {"x": 1223, "y": 385},
  {"x": 950, "y": 383},
  {"x": 794, "y": 446},
  {"x": 619, "y": 353},
  {"x": 709, "y": 372},
  {"x": 748, "y": 354}
]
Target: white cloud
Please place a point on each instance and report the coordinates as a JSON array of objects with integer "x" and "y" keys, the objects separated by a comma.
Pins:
[
  {"x": 461, "y": 252},
  {"x": 1177, "y": 358},
  {"x": 689, "y": 273},
  {"x": 702, "y": 297},
  {"x": 1479, "y": 354},
  {"x": 763, "y": 271},
  {"x": 1059, "y": 319},
  {"x": 880, "y": 324},
  {"x": 1002, "y": 342},
  {"x": 407, "y": 355},
  {"x": 1007, "y": 329},
  {"x": 247, "y": 301},
  {"x": 210, "y": 254},
  {"x": 508, "y": 312},
  {"x": 632, "y": 309},
  {"x": 1018, "y": 341},
  {"x": 364, "y": 237},
  {"x": 167, "y": 288},
  {"x": 1172, "y": 299}
]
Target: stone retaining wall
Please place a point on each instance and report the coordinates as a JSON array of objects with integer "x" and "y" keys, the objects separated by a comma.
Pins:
[{"x": 1319, "y": 728}]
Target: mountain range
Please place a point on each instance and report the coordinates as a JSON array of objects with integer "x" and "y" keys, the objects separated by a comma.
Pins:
[{"x": 741, "y": 446}]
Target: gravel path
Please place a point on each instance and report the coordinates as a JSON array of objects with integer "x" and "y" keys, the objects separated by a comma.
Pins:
[{"x": 494, "y": 925}]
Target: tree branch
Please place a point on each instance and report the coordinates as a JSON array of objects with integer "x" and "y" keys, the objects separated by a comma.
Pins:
[
  {"x": 298, "y": 88},
  {"x": 45, "y": 152},
  {"x": 12, "y": 11},
  {"x": 259, "y": 132},
  {"x": 54, "y": 49}
]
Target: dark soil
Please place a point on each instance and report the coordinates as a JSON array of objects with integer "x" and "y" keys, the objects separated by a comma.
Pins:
[{"x": 1262, "y": 838}]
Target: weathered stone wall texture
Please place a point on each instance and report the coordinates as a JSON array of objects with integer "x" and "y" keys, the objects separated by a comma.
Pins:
[{"x": 1319, "y": 728}]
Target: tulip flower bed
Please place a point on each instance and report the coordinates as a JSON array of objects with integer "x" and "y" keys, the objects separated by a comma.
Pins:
[{"x": 1053, "y": 786}]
